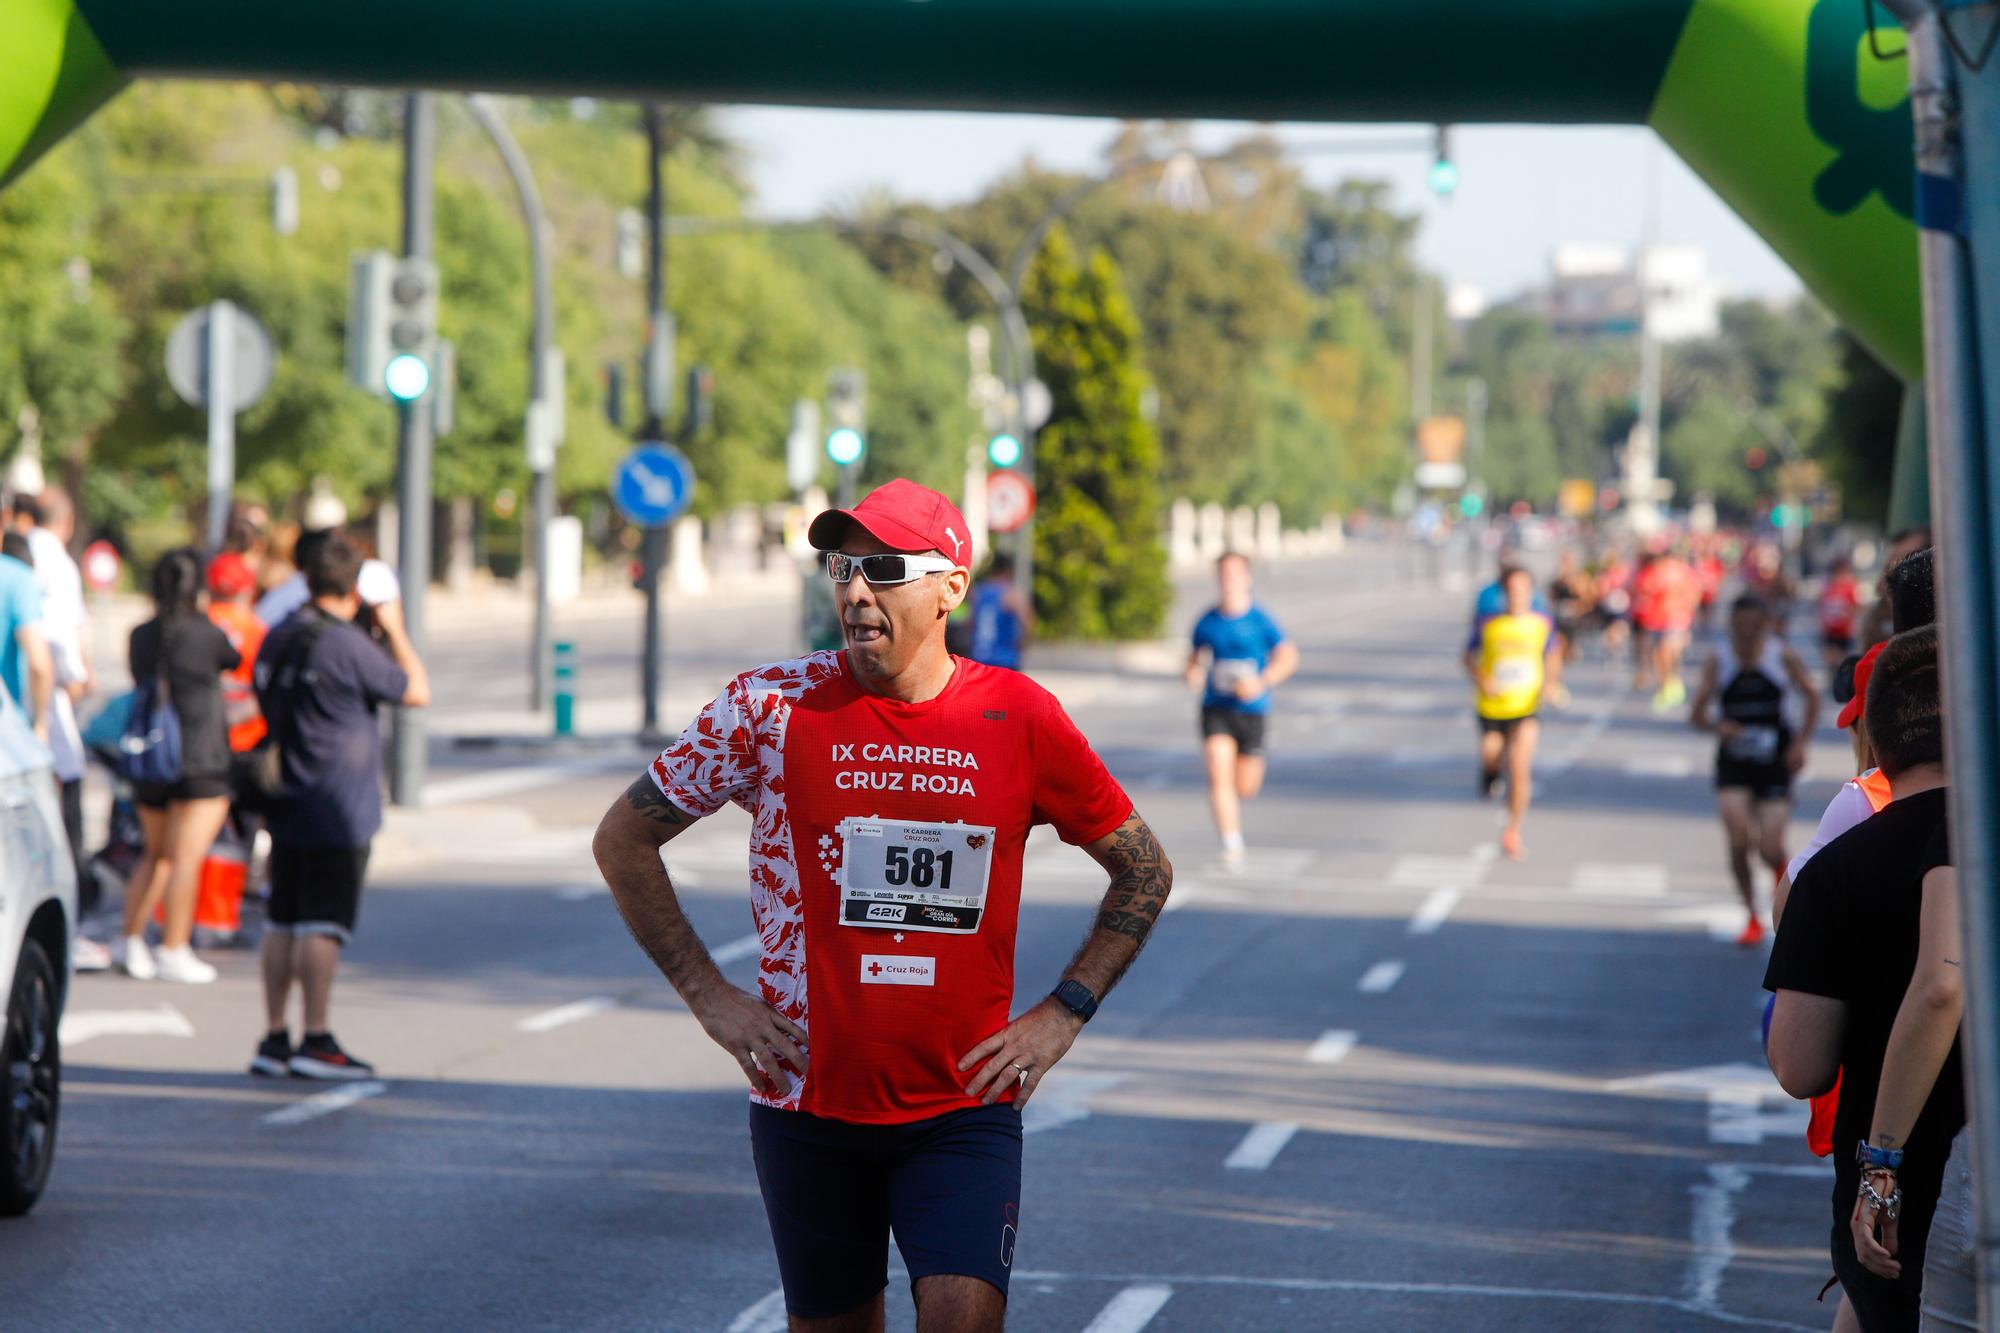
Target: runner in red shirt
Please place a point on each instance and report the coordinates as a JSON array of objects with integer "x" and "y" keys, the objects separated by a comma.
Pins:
[
  {"x": 891, "y": 788},
  {"x": 1839, "y": 608}
]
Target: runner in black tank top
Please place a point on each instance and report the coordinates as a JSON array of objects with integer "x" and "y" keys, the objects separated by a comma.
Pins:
[{"x": 1751, "y": 682}]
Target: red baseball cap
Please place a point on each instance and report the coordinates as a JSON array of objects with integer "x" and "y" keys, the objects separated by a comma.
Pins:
[
  {"x": 902, "y": 516},
  {"x": 229, "y": 575},
  {"x": 1863, "y": 669}
]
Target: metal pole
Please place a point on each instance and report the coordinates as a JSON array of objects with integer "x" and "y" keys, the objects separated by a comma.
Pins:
[
  {"x": 1420, "y": 354},
  {"x": 542, "y": 504},
  {"x": 1969, "y": 580},
  {"x": 654, "y": 427},
  {"x": 1642, "y": 449},
  {"x": 413, "y": 450},
  {"x": 221, "y": 392}
]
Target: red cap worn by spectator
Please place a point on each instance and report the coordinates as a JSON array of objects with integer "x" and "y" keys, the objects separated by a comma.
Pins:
[
  {"x": 229, "y": 575},
  {"x": 1862, "y": 671},
  {"x": 902, "y": 516}
]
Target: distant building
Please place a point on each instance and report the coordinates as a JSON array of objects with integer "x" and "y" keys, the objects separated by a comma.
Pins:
[{"x": 1594, "y": 292}]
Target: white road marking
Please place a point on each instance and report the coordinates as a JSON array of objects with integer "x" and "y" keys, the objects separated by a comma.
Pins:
[
  {"x": 1736, "y": 1094},
  {"x": 1261, "y": 1146},
  {"x": 571, "y": 893},
  {"x": 766, "y": 1316},
  {"x": 1712, "y": 1247},
  {"x": 1616, "y": 879},
  {"x": 1555, "y": 763},
  {"x": 325, "y": 1103},
  {"x": 1131, "y": 1309},
  {"x": 1438, "y": 872},
  {"x": 749, "y": 946},
  {"x": 1486, "y": 851},
  {"x": 80, "y": 1026},
  {"x": 1378, "y": 979},
  {"x": 1466, "y": 1290},
  {"x": 508, "y": 781},
  {"x": 1723, "y": 922},
  {"x": 1661, "y": 766},
  {"x": 1063, "y": 1099},
  {"x": 1180, "y": 896},
  {"x": 1332, "y": 1047},
  {"x": 565, "y": 1014},
  {"x": 1432, "y": 911}
]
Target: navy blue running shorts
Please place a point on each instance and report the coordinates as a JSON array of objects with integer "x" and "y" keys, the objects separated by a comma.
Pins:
[{"x": 948, "y": 1187}]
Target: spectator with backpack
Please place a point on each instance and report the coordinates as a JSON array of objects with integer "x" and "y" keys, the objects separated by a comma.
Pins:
[{"x": 176, "y": 753}]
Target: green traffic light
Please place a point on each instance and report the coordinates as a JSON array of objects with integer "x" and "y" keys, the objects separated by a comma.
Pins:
[
  {"x": 1444, "y": 178},
  {"x": 845, "y": 446},
  {"x": 406, "y": 377},
  {"x": 1004, "y": 450},
  {"x": 1471, "y": 505}
]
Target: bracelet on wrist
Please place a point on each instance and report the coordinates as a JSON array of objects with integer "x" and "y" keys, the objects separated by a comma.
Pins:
[{"x": 1869, "y": 1157}]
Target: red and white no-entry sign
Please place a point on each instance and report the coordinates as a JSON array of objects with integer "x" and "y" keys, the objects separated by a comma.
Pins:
[
  {"x": 1009, "y": 501},
  {"x": 100, "y": 566}
]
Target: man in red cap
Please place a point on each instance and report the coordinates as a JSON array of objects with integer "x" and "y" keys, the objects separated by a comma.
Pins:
[{"x": 891, "y": 788}]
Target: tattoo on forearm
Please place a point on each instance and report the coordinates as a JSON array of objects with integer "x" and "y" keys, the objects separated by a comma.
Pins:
[
  {"x": 1141, "y": 878},
  {"x": 645, "y": 797}
]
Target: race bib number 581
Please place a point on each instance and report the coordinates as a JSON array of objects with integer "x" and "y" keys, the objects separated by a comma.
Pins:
[{"x": 900, "y": 875}]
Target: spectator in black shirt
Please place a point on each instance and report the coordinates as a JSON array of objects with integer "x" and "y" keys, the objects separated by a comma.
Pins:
[
  {"x": 183, "y": 650},
  {"x": 320, "y": 680},
  {"x": 1842, "y": 963}
]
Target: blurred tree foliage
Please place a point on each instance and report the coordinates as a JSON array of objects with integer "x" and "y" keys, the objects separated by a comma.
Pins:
[
  {"x": 1100, "y": 569},
  {"x": 161, "y": 204}
]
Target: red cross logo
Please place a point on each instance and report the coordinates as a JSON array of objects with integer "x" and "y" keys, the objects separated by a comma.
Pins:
[{"x": 874, "y": 969}]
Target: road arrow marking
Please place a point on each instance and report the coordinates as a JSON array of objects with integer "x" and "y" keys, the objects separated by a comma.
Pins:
[{"x": 325, "y": 1103}]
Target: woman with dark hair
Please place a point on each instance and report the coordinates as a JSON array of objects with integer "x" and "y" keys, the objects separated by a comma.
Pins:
[{"x": 183, "y": 650}]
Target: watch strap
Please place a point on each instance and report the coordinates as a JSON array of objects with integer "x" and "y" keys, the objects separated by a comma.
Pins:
[{"x": 1076, "y": 997}]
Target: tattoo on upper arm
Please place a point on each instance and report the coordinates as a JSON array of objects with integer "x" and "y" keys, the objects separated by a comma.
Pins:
[
  {"x": 645, "y": 797},
  {"x": 1140, "y": 880}
]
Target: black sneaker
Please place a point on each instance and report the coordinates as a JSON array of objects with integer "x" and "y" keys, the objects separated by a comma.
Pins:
[
  {"x": 1488, "y": 780},
  {"x": 321, "y": 1057},
  {"x": 274, "y": 1055}
]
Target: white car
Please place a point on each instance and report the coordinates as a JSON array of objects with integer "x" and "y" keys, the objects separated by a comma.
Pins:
[{"x": 37, "y": 922}]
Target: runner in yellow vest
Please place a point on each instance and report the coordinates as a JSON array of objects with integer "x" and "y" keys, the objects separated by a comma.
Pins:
[{"x": 1508, "y": 660}]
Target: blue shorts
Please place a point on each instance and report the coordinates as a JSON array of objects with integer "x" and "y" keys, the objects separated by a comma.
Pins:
[{"x": 948, "y": 1187}]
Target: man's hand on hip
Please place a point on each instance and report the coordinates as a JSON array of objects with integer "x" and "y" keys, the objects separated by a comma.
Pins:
[
  {"x": 1021, "y": 1053},
  {"x": 758, "y": 1036}
]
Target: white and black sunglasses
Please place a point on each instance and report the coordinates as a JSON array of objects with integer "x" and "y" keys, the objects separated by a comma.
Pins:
[{"x": 883, "y": 571}]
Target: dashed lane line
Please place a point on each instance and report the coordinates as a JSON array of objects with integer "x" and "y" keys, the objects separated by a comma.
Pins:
[
  {"x": 747, "y": 946},
  {"x": 1261, "y": 1145},
  {"x": 1332, "y": 1047},
  {"x": 565, "y": 1014},
  {"x": 1131, "y": 1309},
  {"x": 1433, "y": 911},
  {"x": 766, "y": 1316},
  {"x": 1381, "y": 978},
  {"x": 325, "y": 1103}
]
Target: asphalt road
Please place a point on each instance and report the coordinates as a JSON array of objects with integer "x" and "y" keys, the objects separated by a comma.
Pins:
[{"x": 1379, "y": 1079}]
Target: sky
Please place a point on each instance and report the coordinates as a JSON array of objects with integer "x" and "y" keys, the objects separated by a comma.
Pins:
[{"x": 1523, "y": 190}]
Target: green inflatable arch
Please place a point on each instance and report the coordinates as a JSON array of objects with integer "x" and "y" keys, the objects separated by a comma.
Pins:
[{"x": 1778, "y": 104}]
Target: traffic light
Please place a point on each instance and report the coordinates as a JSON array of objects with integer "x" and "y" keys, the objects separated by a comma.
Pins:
[
  {"x": 413, "y": 308},
  {"x": 845, "y": 445},
  {"x": 1471, "y": 504},
  {"x": 1754, "y": 458},
  {"x": 368, "y": 320},
  {"x": 1004, "y": 450},
  {"x": 1444, "y": 171}
]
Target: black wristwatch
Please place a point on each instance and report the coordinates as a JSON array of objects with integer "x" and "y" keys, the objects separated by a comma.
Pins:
[{"x": 1076, "y": 997}]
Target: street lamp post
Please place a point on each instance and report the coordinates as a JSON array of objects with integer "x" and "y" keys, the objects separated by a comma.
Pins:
[{"x": 541, "y": 460}]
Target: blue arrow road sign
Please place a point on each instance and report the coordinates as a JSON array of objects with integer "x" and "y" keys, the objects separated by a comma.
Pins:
[{"x": 653, "y": 484}]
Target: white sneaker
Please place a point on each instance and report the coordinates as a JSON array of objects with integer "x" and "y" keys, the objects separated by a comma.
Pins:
[
  {"x": 181, "y": 965},
  {"x": 87, "y": 955},
  {"x": 136, "y": 960}
]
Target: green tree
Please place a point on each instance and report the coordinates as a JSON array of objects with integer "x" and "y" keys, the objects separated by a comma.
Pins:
[{"x": 1100, "y": 569}]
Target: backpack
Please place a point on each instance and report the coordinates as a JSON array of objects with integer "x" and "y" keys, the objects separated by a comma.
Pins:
[
  {"x": 258, "y": 774},
  {"x": 149, "y": 750}
]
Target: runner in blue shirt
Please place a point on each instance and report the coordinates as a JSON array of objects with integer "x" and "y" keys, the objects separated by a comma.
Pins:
[
  {"x": 1247, "y": 656},
  {"x": 1000, "y": 617}
]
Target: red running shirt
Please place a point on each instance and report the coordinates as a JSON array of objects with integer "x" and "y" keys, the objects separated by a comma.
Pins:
[{"x": 800, "y": 746}]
